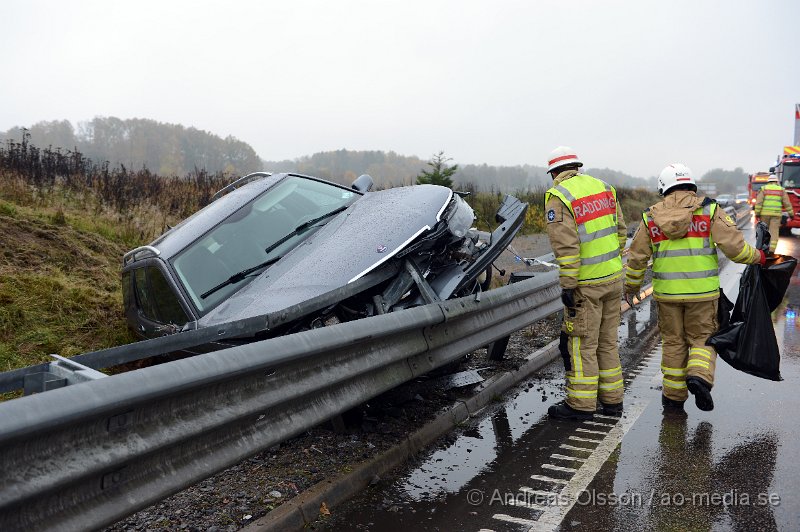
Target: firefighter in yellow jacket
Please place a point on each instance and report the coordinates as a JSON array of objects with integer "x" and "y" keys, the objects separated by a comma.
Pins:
[
  {"x": 682, "y": 234},
  {"x": 587, "y": 233},
  {"x": 771, "y": 201}
]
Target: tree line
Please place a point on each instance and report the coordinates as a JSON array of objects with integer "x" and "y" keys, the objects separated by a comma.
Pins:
[
  {"x": 389, "y": 169},
  {"x": 166, "y": 149},
  {"x": 175, "y": 150}
]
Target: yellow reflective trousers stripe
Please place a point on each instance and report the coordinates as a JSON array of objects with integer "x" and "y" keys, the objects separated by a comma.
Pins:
[
  {"x": 577, "y": 363},
  {"x": 581, "y": 393},
  {"x": 611, "y": 385},
  {"x": 582, "y": 380},
  {"x": 700, "y": 351},
  {"x": 673, "y": 384},
  {"x": 613, "y": 372},
  {"x": 675, "y": 372}
]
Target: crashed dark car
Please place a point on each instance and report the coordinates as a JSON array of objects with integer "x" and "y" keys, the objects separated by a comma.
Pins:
[{"x": 311, "y": 252}]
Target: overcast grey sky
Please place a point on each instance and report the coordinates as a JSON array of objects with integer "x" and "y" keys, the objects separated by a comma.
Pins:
[{"x": 631, "y": 85}]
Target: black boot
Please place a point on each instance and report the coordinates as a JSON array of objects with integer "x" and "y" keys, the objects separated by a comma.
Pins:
[
  {"x": 671, "y": 405},
  {"x": 702, "y": 393},
  {"x": 564, "y": 411},
  {"x": 614, "y": 409}
]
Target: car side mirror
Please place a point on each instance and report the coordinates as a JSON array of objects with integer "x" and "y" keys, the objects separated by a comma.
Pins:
[{"x": 363, "y": 183}]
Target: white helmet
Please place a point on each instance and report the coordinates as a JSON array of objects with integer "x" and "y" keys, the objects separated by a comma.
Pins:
[
  {"x": 562, "y": 156},
  {"x": 772, "y": 178},
  {"x": 674, "y": 175}
]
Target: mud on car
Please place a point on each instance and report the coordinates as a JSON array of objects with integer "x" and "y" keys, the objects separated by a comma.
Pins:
[{"x": 304, "y": 252}]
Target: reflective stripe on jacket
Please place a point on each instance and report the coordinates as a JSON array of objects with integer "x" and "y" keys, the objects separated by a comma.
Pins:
[
  {"x": 773, "y": 200},
  {"x": 685, "y": 267},
  {"x": 593, "y": 204}
]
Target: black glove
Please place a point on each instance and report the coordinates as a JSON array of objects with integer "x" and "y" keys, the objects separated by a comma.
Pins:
[
  {"x": 568, "y": 297},
  {"x": 762, "y": 237}
]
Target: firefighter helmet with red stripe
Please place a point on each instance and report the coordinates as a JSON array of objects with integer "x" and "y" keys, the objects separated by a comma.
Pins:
[
  {"x": 772, "y": 178},
  {"x": 562, "y": 156},
  {"x": 674, "y": 175}
]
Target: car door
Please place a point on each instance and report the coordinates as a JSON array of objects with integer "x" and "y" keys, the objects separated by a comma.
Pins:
[{"x": 154, "y": 306}]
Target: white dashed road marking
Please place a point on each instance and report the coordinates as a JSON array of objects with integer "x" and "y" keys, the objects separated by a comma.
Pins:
[
  {"x": 587, "y": 431},
  {"x": 578, "y": 438},
  {"x": 551, "y": 516},
  {"x": 573, "y": 448},
  {"x": 564, "y": 457},
  {"x": 552, "y": 467},
  {"x": 550, "y": 479}
]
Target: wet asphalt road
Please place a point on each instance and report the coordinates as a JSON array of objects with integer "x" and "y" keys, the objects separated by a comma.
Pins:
[{"x": 735, "y": 468}]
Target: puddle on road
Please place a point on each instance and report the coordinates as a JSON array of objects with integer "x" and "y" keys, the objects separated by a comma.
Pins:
[
  {"x": 451, "y": 468},
  {"x": 635, "y": 324}
]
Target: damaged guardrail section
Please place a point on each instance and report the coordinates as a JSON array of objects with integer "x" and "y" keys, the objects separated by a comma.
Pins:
[{"x": 86, "y": 455}]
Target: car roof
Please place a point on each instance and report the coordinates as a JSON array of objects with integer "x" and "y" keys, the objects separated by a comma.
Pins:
[{"x": 176, "y": 239}]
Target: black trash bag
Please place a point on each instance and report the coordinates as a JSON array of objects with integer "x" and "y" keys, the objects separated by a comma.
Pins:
[
  {"x": 724, "y": 308},
  {"x": 748, "y": 342},
  {"x": 776, "y": 277},
  {"x": 778, "y": 271}
]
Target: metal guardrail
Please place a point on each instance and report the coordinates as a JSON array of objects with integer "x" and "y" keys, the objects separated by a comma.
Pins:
[{"x": 84, "y": 456}]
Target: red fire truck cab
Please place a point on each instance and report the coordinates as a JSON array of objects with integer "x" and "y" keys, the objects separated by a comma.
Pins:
[
  {"x": 788, "y": 172},
  {"x": 754, "y": 184}
]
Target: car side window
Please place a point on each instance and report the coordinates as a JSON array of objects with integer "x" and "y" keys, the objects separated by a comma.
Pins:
[
  {"x": 127, "y": 289},
  {"x": 157, "y": 302},
  {"x": 146, "y": 306},
  {"x": 167, "y": 305}
]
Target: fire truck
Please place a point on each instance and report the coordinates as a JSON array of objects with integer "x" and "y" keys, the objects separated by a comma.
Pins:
[
  {"x": 788, "y": 171},
  {"x": 754, "y": 184}
]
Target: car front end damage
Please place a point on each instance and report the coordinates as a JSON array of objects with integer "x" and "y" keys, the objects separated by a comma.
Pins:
[
  {"x": 450, "y": 260},
  {"x": 388, "y": 250}
]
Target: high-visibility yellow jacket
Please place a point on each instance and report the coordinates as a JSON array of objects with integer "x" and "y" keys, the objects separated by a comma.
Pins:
[
  {"x": 682, "y": 234},
  {"x": 772, "y": 200},
  {"x": 586, "y": 229}
]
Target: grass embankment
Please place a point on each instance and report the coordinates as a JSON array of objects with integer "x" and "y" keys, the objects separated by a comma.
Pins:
[{"x": 59, "y": 274}]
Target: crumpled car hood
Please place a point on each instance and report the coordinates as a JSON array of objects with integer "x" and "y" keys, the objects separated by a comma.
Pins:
[{"x": 366, "y": 235}]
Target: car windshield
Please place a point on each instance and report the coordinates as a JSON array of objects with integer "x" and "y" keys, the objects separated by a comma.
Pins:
[
  {"x": 756, "y": 185},
  {"x": 239, "y": 242},
  {"x": 741, "y": 196},
  {"x": 791, "y": 176}
]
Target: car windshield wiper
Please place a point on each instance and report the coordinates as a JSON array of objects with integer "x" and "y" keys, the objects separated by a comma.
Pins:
[
  {"x": 237, "y": 277},
  {"x": 305, "y": 226}
]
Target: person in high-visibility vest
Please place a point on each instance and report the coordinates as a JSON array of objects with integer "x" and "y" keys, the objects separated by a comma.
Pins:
[
  {"x": 682, "y": 234},
  {"x": 587, "y": 234},
  {"x": 771, "y": 201}
]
